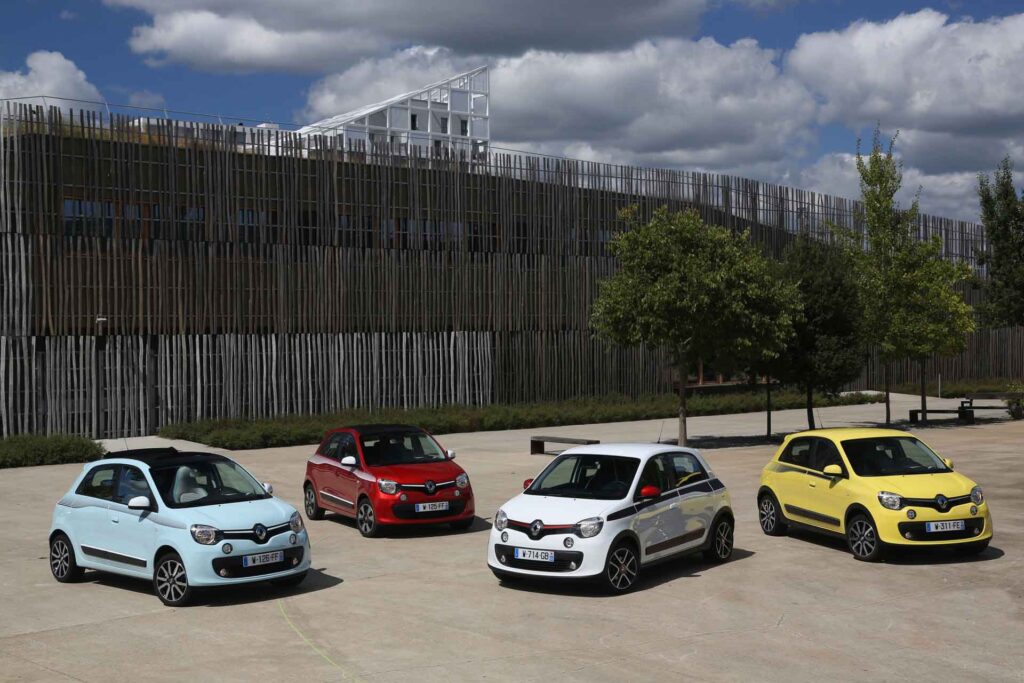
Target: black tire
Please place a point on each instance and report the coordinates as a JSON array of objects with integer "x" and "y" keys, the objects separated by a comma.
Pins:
[
  {"x": 969, "y": 549},
  {"x": 862, "y": 539},
  {"x": 310, "y": 502},
  {"x": 462, "y": 524},
  {"x": 62, "y": 559},
  {"x": 170, "y": 580},
  {"x": 720, "y": 540},
  {"x": 621, "y": 568},
  {"x": 366, "y": 519},
  {"x": 769, "y": 514},
  {"x": 291, "y": 581}
]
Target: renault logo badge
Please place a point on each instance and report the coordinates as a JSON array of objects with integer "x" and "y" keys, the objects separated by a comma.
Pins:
[
  {"x": 537, "y": 528},
  {"x": 260, "y": 532},
  {"x": 430, "y": 487},
  {"x": 941, "y": 501}
]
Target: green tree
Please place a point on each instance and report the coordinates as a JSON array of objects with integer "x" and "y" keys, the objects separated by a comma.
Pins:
[
  {"x": 827, "y": 349},
  {"x": 697, "y": 291},
  {"x": 915, "y": 309},
  {"x": 1002, "y": 214}
]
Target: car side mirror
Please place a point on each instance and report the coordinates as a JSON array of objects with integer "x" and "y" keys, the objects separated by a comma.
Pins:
[
  {"x": 833, "y": 470},
  {"x": 451, "y": 454},
  {"x": 139, "y": 503},
  {"x": 269, "y": 488},
  {"x": 949, "y": 463},
  {"x": 527, "y": 483},
  {"x": 650, "y": 491},
  {"x": 349, "y": 461}
]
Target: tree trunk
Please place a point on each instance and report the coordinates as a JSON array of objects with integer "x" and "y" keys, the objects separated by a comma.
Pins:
[
  {"x": 682, "y": 403},
  {"x": 810, "y": 407},
  {"x": 924, "y": 395},
  {"x": 888, "y": 408},
  {"x": 768, "y": 400}
]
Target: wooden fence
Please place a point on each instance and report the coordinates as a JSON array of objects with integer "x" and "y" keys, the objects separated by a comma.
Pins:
[{"x": 156, "y": 270}]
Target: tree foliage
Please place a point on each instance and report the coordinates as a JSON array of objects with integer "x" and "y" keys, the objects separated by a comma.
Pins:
[
  {"x": 700, "y": 292},
  {"x": 1002, "y": 214}
]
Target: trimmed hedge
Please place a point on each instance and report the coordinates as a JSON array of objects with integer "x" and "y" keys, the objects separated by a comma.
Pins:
[
  {"x": 23, "y": 450},
  {"x": 958, "y": 388},
  {"x": 296, "y": 430}
]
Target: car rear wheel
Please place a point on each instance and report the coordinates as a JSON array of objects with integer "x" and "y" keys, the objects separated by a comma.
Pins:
[
  {"x": 770, "y": 516},
  {"x": 862, "y": 537},
  {"x": 721, "y": 541},
  {"x": 366, "y": 519},
  {"x": 62, "y": 560},
  {"x": 313, "y": 509},
  {"x": 621, "y": 568},
  {"x": 171, "y": 581}
]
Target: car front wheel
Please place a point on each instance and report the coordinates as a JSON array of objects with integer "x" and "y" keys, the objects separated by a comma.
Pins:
[
  {"x": 621, "y": 568},
  {"x": 171, "y": 581},
  {"x": 769, "y": 516},
  {"x": 62, "y": 560},
  {"x": 313, "y": 509},
  {"x": 366, "y": 519},
  {"x": 862, "y": 537}
]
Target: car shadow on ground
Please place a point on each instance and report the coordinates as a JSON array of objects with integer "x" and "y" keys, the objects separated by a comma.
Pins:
[
  {"x": 689, "y": 566},
  {"x": 902, "y": 555},
  {"x": 417, "y": 530},
  {"x": 224, "y": 596}
]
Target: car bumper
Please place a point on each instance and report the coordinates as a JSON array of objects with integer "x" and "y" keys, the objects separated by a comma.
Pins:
[
  {"x": 211, "y": 566},
  {"x": 392, "y": 510},
  {"x": 896, "y": 528},
  {"x": 585, "y": 559}
]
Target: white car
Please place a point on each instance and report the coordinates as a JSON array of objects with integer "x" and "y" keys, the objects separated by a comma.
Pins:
[{"x": 605, "y": 511}]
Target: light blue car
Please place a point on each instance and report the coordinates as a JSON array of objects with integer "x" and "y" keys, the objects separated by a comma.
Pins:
[{"x": 181, "y": 520}]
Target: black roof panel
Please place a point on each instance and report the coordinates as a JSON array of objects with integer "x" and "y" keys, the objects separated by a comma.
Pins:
[{"x": 162, "y": 456}]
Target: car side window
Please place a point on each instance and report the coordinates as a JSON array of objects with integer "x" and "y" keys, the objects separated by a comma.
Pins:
[
  {"x": 656, "y": 473},
  {"x": 330, "y": 449},
  {"x": 99, "y": 482},
  {"x": 826, "y": 453},
  {"x": 130, "y": 484},
  {"x": 798, "y": 452},
  {"x": 347, "y": 446},
  {"x": 684, "y": 469}
]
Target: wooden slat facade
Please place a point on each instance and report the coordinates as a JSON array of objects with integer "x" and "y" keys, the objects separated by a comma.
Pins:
[{"x": 164, "y": 270}]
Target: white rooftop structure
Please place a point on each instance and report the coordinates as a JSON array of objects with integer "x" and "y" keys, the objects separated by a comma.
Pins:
[{"x": 447, "y": 116}]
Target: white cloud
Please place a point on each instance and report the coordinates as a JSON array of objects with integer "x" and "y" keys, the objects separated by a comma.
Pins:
[
  {"x": 670, "y": 102},
  {"x": 147, "y": 99},
  {"x": 50, "y": 74}
]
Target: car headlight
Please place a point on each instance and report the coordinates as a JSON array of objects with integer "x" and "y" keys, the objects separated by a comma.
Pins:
[
  {"x": 295, "y": 522},
  {"x": 462, "y": 481},
  {"x": 501, "y": 520},
  {"x": 890, "y": 500},
  {"x": 588, "y": 527},
  {"x": 977, "y": 497},
  {"x": 206, "y": 535},
  {"x": 387, "y": 486}
]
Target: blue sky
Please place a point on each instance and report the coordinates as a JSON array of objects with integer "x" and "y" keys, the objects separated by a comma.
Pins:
[{"x": 773, "y": 89}]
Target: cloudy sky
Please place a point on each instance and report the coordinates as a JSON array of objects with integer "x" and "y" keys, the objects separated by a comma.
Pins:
[{"x": 772, "y": 89}]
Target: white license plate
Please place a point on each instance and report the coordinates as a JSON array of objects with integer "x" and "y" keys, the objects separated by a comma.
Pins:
[
  {"x": 535, "y": 555},
  {"x": 432, "y": 507},
  {"x": 955, "y": 525},
  {"x": 262, "y": 558}
]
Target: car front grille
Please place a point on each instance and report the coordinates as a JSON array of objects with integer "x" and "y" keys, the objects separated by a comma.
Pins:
[
  {"x": 408, "y": 510},
  {"x": 233, "y": 569},
  {"x": 972, "y": 529},
  {"x": 934, "y": 505},
  {"x": 250, "y": 534},
  {"x": 422, "y": 487},
  {"x": 563, "y": 560}
]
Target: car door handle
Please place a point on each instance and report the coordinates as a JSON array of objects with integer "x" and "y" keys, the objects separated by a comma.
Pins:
[
  {"x": 673, "y": 506},
  {"x": 812, "y": 485}
]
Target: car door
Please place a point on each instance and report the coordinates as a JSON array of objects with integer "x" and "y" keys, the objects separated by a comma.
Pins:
[
  {"x": 337, "y": 481},
  {"x": 695, "y": 505},
  {"x": 790, "y": 482},
  {"x": 828, "y": 496},
  {"x": 655, "y": 524},
  {"x": 91, "y": 529},
  {"x": 132, "y": 535}
]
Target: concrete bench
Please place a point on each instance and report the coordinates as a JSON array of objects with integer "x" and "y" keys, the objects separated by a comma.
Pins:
[{"x": 537, "y": 442}]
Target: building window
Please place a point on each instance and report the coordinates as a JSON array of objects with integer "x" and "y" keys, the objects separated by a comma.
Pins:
[
  {"x": 444, "y": 124},
  {"x": 413, "y": 123},
  {"x": 463, "y": 127}
]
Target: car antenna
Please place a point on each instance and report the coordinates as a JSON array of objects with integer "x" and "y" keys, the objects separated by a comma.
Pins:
[{"x": 660, "y": 431}]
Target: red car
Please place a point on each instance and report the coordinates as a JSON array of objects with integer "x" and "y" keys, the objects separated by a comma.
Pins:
[{"x": 387, "y": 475}]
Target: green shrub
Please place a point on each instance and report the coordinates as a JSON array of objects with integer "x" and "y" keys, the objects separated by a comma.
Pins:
[
  {"x": 23, "y": 450},
  {"x": 295, "y": 430},
  {"x": 956, "y": 388}
]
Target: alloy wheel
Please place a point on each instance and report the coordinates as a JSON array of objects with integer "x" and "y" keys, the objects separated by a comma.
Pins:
[
  {"x": 862, "y": 538},
  {"x": 364, "y": 518},
  {"x": 171, "y": 581},
  {"x": 767, "y": 514},
  {"x": 60, "y": 558},
  {"x": 310, "y": 502},
  {"x": 723, "y": 540},
  {"x": 622, "y": 569}
]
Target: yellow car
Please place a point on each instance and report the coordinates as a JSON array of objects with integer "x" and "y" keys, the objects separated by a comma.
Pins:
[{"x": 875, "y": 487}]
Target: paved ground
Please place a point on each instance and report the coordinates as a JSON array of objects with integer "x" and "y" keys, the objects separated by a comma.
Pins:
[{"x": 423, "y": 606}]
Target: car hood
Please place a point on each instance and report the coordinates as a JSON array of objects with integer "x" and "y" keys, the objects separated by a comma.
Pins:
[
  {"x": 554, "y": 510},
  {"x": 443, "y": 470},
  {"x": 949, "y": 484},
  {"x": 243, "y": 515}
]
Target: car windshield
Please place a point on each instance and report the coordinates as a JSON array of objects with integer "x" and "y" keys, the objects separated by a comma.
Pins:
[
  {"x": 892, "y": 455},
  {"x": 601, "y": 477},
  {"x": 205, "y": 482},
  {"x": 400, "y": 448}
]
